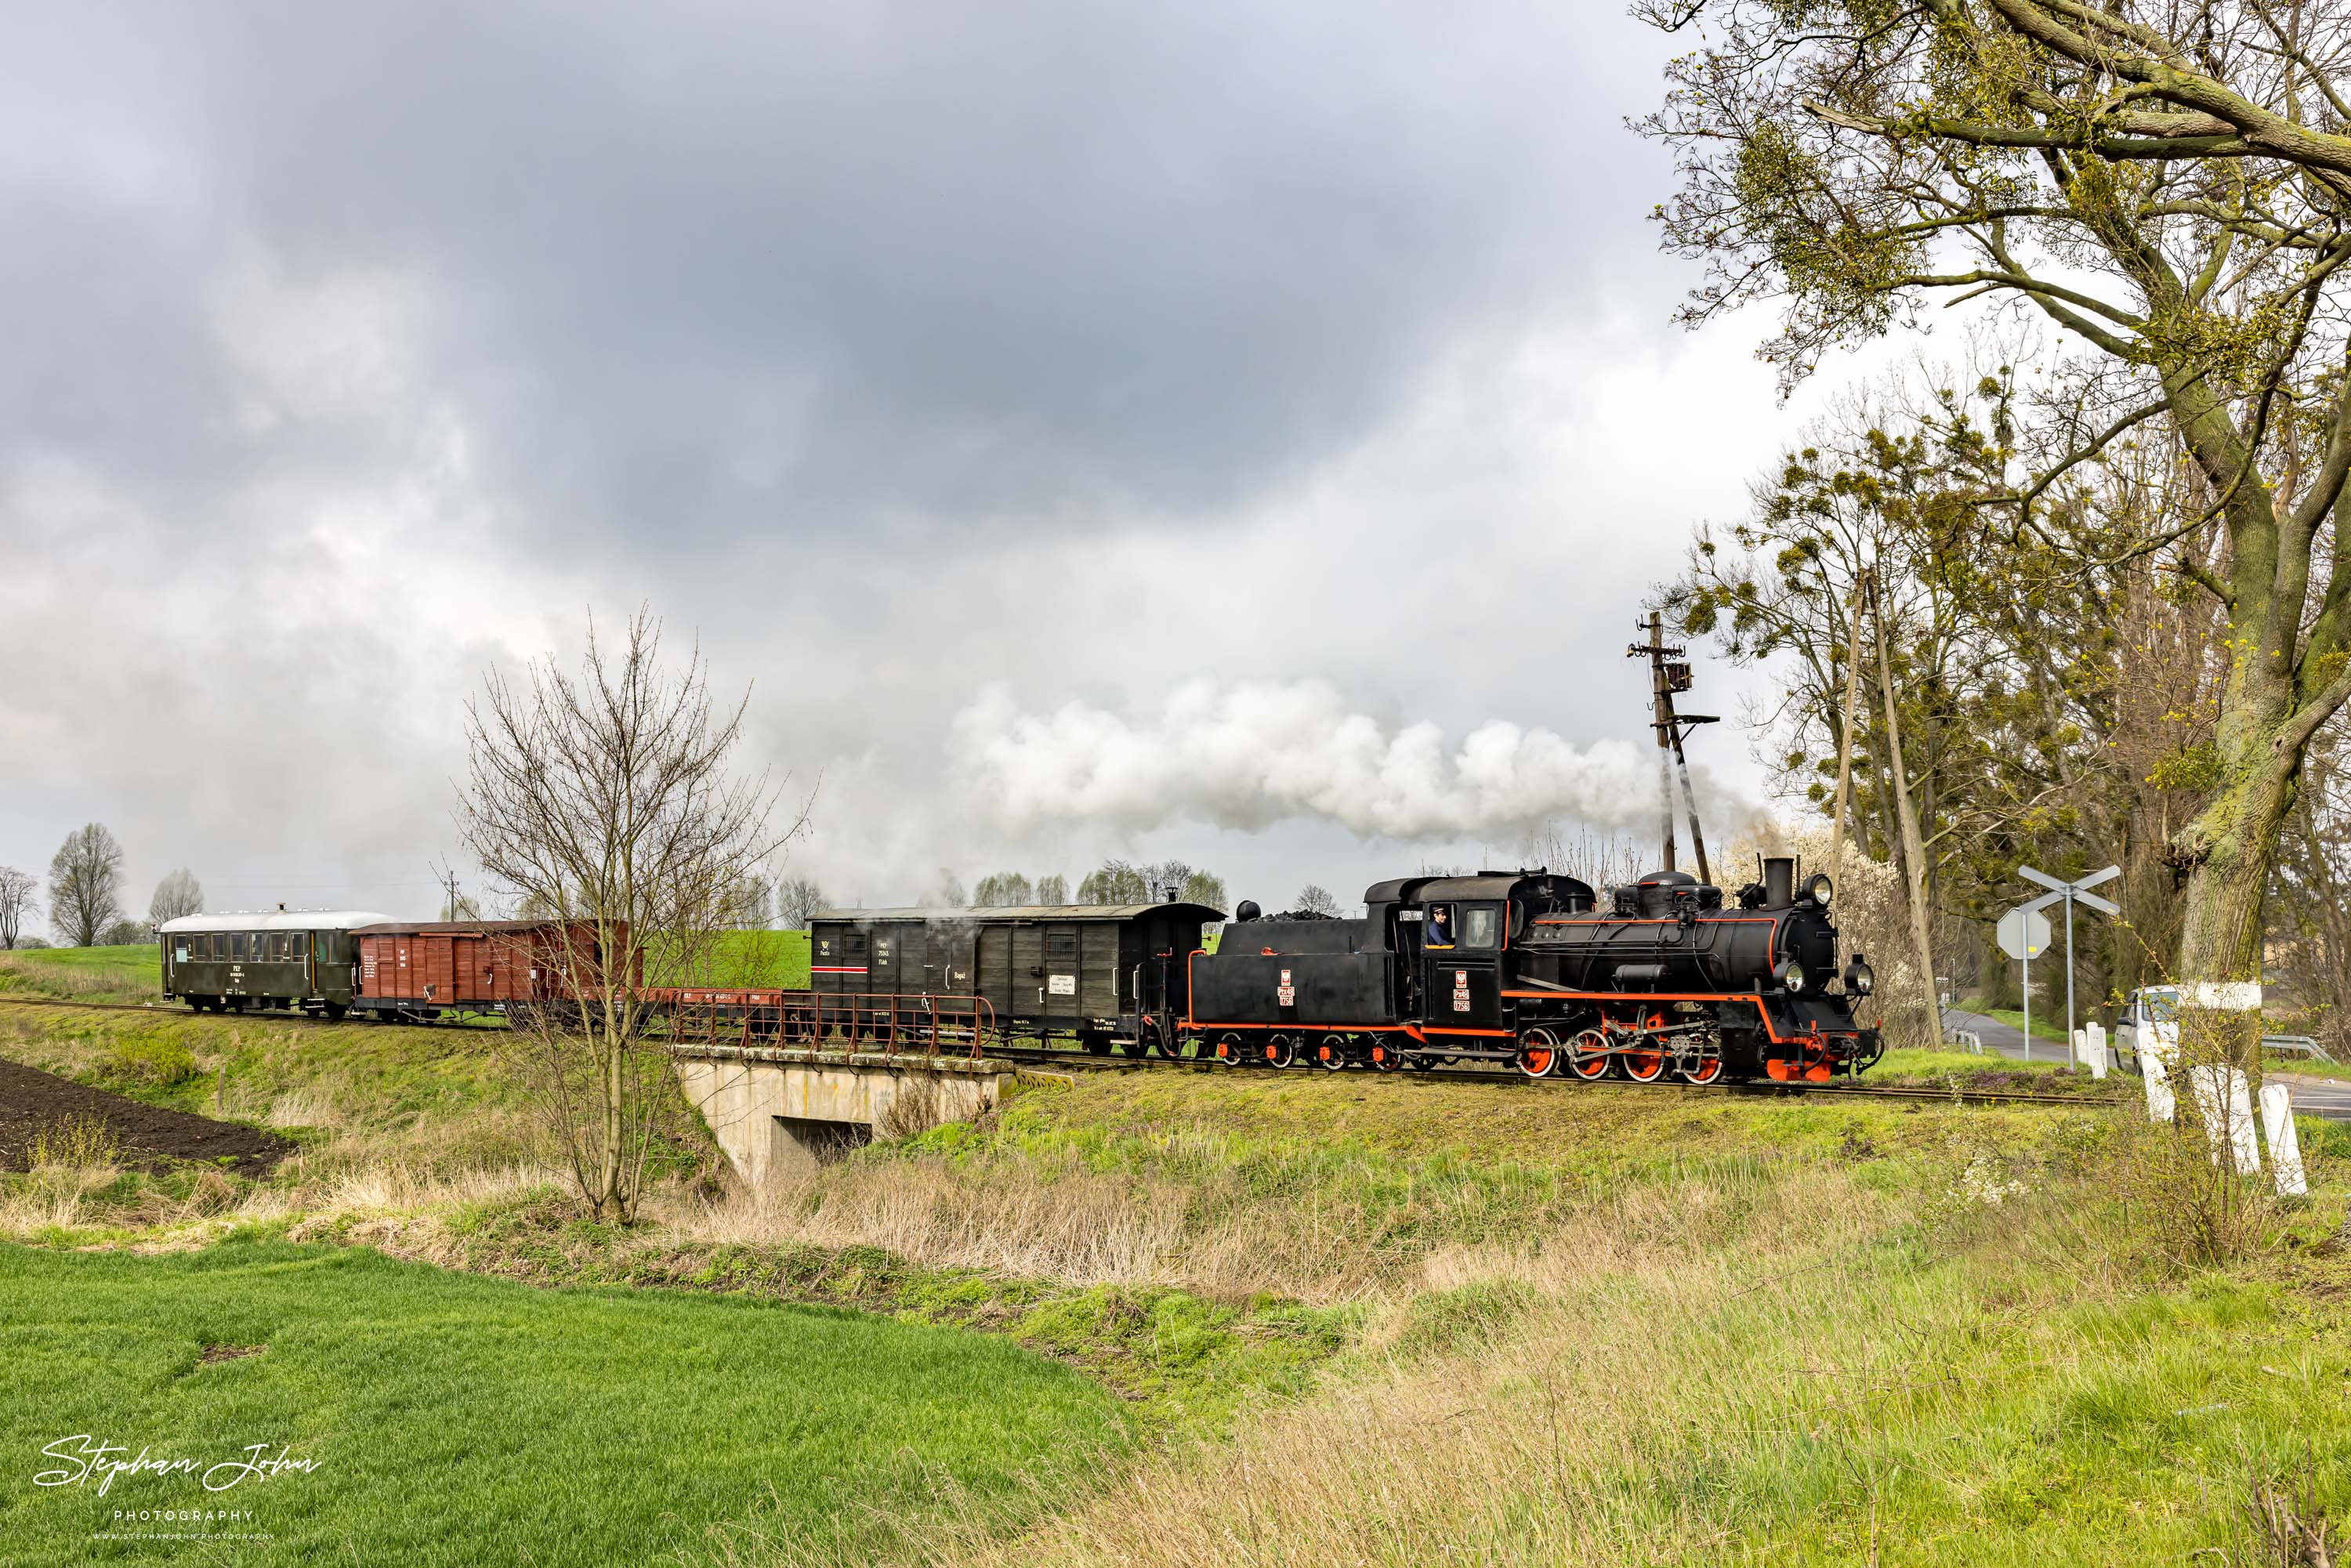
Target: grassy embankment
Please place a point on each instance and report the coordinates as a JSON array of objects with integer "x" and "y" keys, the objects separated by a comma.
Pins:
[{"x": 1401, "y": 1319}]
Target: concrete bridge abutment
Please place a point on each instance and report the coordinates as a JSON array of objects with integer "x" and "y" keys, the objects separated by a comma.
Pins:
[{"x": 779, "y": 1113}]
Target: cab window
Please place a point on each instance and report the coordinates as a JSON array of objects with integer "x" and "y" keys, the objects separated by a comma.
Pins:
[
  {"x": 1438, "y": 929},
  {"x": 1478, "y": 926}
]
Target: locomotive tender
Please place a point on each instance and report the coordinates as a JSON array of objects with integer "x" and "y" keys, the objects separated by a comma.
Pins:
[{"x": 1532, "y": 968}]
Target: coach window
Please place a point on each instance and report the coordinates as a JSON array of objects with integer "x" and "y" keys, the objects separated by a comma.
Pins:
[
  {"x": 235, "y": 946},
  {"x": 1477, "y": 925}
]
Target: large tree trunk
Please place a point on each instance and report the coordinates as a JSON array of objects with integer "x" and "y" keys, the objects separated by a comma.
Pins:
[{"x": 2227, "y": 849}]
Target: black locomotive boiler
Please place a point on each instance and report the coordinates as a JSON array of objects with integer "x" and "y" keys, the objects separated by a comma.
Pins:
[{"x": 1534, "y": 968}]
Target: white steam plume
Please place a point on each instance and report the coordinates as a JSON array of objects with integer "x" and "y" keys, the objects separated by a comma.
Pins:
[{"x": 1248, "y": 756}]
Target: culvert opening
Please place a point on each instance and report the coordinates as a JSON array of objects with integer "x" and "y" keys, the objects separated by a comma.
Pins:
[{"x": 827, "y": 1141}]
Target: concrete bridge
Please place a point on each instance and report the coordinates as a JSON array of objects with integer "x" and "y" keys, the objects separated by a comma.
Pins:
[{"x": 779, "y": 1112}]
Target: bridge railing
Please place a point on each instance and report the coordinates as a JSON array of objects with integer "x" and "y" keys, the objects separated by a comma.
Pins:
[{"x": 890, "y": 1023}]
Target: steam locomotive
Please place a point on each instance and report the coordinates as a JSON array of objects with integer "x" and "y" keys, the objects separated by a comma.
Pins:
[{"x": 1531, "y": 968}]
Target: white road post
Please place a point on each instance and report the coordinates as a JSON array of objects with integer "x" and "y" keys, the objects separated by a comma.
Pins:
[
  {"x": 2225, "y": 1098},
  {"x": 2097, "y": 1034},
  {"x": 2156, "y": 1075},
  {"x": 2285, "y": 1154}
]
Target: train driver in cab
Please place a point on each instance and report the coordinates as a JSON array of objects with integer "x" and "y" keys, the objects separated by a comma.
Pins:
[{"x": 1441, "y": 926}]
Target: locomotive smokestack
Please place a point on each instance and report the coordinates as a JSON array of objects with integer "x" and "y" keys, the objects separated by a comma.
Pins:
[{"x": 1779, "y": 881}]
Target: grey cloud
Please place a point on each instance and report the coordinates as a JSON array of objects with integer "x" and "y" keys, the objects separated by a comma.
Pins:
[
  {"x": 756, "y": 266},
  {"x": 898, "y": 348}
]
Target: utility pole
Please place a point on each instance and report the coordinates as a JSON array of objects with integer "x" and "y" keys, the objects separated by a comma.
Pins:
[
  {"x": 1844, "y": 736},
  {"x": 448, "y": 881},
  {"x": 1669, "y": 672},
  {"x": 1914, "y": 851}
]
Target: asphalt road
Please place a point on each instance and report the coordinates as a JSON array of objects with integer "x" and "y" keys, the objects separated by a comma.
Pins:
[{"x": 2322, "y": 1097}]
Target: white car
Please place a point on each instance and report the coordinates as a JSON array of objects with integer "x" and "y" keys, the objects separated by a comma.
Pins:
[{"x": 2150, "y": 1018}]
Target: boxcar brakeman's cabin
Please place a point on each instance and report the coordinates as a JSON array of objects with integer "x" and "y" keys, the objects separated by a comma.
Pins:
[{"x": 1096, "y": 971}]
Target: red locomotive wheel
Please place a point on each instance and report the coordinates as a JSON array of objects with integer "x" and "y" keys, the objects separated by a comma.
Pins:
[
  {"x": 1538, "y": 1054},
  {"x": 1280, "y": 1050},
  {"x": 1641, "y": 1066},
  {"x": 1705, "y": 1069},
  {"x": 1382, "y": 1057},
  {"x": 1229, "y": 1050},
  {"x": 1332, "y": 1054},
  {"x": 1588, "y": 1055}
]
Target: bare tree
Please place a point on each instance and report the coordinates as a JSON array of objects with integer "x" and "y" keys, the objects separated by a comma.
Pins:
[
  {"x": 609, "y": 797},
  {"x": 86, "y": 885},
  {"x": 177, "y": 895},
  {"x": 747, "y": 910},
  {"x": 1199, "y": 887},
  {"x": 1115, "y": 882},
  {"x": 1315, "y": 899},
  {"x": 1002, "y": 889},
  {"x": 19, "y": 900},
  {"x": 797, "y": 898},
  {"x": 1053, "y": 889}
]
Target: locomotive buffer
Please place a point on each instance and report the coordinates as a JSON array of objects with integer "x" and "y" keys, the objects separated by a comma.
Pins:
[{"x": 1669, "y": 672}]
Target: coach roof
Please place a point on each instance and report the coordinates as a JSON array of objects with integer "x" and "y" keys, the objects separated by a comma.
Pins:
[{"x": 274, "y": 920}]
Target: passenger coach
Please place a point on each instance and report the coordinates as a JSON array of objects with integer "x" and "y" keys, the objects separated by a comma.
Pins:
[{"x": 304, "y": 960}]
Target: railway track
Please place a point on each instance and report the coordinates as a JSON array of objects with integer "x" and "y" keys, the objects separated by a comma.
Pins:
[
  {"x": 1049, "y": 1056},
  {"x": 1061, "y": 1057}
]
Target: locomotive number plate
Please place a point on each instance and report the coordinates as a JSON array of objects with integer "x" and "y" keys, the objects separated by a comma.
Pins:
[
  {"x": 1286, "y": 994},
  {"x": 1461, "y": 990}
]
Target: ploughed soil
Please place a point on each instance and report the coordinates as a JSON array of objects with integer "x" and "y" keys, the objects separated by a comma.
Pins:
[{"x": 32, "y": 1102}]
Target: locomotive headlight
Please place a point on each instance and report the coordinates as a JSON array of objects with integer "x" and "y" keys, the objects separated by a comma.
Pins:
[
  {"x": 1790, "y": 974},
  {"x": 1819, "y": 888},
  {"x": 1858, "y": 977}
]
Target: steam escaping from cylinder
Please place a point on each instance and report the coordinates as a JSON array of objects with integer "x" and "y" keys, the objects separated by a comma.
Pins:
[{"x": 1248, "y": 756}]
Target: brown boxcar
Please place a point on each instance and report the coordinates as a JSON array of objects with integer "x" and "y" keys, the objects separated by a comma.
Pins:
[{"x": 427, "y": 969}]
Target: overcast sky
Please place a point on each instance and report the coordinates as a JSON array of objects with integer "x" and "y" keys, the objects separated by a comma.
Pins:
[{"x": 988, "y": 386}]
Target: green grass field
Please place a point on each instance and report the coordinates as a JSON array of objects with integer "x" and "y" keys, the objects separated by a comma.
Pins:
[
  {"x": 456, "y": 1419},
  {"x": 1528, "y": 1323},
  {"x": 88, "y": 974}
]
